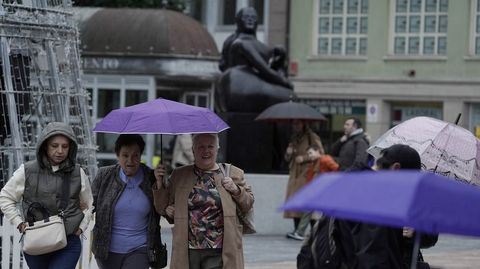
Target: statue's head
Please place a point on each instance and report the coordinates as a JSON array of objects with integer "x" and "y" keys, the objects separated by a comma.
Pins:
[{"x": 246, "y": 20}]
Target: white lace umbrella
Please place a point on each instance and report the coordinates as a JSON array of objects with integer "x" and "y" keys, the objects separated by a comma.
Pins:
[{"x": 444, "y": 148}]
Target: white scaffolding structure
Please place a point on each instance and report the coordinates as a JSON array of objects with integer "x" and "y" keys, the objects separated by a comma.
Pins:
[{"x": 40, "y": 81}]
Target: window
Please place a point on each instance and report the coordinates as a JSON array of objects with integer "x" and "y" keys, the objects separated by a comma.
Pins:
[
  {"x": 420, "y": 27},
  {"x": 476, "y": 28},
  {"x": 195, "y": 9},
  {"x": 90, "y": 101},
  {"x": 342, "y": 27},
  {"x": 197, "y": 99},
  {"x": 259, "y": 6},
  {"x": 134, "y": 97},
  {"x": 228, "y": 9},
  {"x": 112, "y": 92},
  {"x": 108, "y": 100}
]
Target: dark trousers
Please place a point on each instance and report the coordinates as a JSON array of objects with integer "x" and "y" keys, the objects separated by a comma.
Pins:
[
  {"x": 205, "y": 258},
  {"x": 137, "y": 259},
  {"x": 65, "y": 258},
  {"x": 296, "y": 222}
]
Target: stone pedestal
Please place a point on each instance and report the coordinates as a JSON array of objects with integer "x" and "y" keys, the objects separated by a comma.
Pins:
[{"x": 256, "y": 147}]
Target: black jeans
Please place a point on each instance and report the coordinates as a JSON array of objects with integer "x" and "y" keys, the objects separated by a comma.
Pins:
[
  {"x": 137, "y": 259},
  {"x": 205, "y": 258}
]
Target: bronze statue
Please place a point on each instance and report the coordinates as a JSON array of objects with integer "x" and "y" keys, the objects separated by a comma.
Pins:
[{"x": 253, "y": 75}]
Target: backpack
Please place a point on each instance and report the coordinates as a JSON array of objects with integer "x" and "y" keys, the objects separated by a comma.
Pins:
[{"x": 321, "y": 250}]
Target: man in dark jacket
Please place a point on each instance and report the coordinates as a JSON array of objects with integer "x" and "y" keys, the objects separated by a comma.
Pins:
[
  {"x": 350, "y": 151},
  {"x": 362, "y": 245},
  {"x": 378, "y": 246}
]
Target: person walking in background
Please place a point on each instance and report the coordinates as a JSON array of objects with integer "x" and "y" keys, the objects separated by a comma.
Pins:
[
  {"x": 296, "y": 156},
  {"x": 182, "y": 151},
  {"x": 319, "y": 163},
  {"x": 203, "y": 203},
  {"x": 40, "y": 181},
  {"x": 127, "y": 227},
  {"x": 350, "y": 151}
]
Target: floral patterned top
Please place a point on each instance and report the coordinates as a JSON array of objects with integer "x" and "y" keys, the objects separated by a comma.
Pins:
[{"x": 205, "y": 212}]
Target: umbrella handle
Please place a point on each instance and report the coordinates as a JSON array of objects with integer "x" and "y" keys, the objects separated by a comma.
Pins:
[
  {"x": 161, "y": 148},
  {"x": 416, "y": 249},
  {"x": 458, "y": 118}
]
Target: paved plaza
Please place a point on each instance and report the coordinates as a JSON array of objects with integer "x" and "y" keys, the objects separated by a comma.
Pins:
[{"x": 278, "y": 252}]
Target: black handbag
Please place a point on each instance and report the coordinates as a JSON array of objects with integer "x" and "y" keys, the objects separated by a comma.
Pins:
[{"x": 158, "y": 256}]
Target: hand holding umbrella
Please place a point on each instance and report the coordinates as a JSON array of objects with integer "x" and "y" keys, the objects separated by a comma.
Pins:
[
  {"x": 159, "y": 173},
  {"x": 230, "y": 186}
]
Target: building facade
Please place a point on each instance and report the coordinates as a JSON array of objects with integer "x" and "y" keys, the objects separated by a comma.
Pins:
[
  {"x": 386, "y": 61},
  {"x": 218, "y": 16},
  {"x": 130, "y": 56}
]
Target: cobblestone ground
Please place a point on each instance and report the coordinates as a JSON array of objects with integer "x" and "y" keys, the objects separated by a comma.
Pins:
[
  {"x": 451, "y": 252},
  {"x": 278, "y": 252}
]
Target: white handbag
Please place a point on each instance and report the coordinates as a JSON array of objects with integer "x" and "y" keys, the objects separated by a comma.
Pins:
[{"x": 44, "y": 236}]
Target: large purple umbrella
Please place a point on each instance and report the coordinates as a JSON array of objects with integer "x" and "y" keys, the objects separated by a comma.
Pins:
[
  {"x": 425, "y": 201},
  {"x": 161, "y": 116}
]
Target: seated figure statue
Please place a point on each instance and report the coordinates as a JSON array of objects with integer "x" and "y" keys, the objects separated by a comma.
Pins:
[{"x": 253, "y": 75}]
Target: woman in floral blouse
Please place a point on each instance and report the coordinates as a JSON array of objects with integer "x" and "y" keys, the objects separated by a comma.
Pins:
[{"x": 202, "y": 203}]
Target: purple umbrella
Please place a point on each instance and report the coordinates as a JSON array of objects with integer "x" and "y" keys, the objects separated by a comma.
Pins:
[
  {"x": 427, "y": 202},
  {"x": 161, "y": 116}
]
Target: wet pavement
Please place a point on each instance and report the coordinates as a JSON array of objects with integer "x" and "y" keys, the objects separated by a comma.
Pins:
[{"x": 278, "y": 252}]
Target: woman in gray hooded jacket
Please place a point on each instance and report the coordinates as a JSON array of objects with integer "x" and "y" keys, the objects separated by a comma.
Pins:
[{"x": 40, "y": 181}]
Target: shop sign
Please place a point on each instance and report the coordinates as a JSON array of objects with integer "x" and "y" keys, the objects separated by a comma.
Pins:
[{"x": 412, "y": 112}]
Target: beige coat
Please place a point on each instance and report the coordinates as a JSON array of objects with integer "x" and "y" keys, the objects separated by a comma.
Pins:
[
  {"x": 298, "y": 171},
  {"x": 181, "y": 184}
]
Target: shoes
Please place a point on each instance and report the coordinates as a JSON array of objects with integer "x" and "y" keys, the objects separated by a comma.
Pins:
[{"x": 295, "y": 236}]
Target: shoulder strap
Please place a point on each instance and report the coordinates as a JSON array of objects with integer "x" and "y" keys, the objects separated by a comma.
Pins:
[
  {"x": 36, "y": 206},
  {"x": 225, "y": 168},
  {"x": 65, "y": 191}
]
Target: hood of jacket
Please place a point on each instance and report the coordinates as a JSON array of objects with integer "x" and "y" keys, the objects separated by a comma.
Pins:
[{"x": 53, "y": 129}]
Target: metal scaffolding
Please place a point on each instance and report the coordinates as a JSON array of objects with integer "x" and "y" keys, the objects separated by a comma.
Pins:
[{"x": 40, "y": 81}]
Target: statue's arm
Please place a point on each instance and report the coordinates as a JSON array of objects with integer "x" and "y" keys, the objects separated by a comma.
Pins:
[
  {"x": 251, "y": 54},
  {"x": 224, "y": 63}
]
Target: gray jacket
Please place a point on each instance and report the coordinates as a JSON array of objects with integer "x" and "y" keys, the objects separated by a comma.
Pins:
[
  {"x": 351, "y": 154},
  {"x": 45, "y": 186},
  {"x": 107, "y": 188}
]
